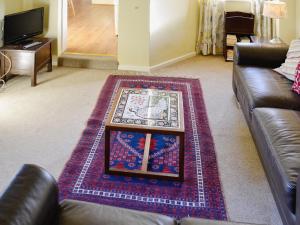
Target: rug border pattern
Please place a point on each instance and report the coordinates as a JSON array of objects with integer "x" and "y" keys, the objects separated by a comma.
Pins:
[{"x": 109, "y": 194}]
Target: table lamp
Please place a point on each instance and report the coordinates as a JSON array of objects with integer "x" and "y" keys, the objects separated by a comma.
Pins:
[{"x": 275, "y": 10}]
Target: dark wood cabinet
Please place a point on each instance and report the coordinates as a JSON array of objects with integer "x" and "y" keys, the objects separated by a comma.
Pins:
[
  {"x": 28, "y": 61},
  {"x": 239, "y": 24}
]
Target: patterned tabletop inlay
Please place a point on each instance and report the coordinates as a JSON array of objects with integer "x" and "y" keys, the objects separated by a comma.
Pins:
[{"x": 148, "y": 107}]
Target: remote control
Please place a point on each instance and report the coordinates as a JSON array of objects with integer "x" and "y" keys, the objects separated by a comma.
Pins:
[{"x": 32, "y": 44}]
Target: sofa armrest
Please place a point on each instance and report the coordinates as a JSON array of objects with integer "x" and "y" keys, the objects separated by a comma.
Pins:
[
  {"x": 30, "y": 199},
  {"x": 262, "y": 55}
]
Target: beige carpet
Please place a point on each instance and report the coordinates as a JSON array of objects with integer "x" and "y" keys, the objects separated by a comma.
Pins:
[{"x": 42, "y": 125}]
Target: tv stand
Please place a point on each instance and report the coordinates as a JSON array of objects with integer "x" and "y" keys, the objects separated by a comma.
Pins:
[{"x": 28, "y": 61}]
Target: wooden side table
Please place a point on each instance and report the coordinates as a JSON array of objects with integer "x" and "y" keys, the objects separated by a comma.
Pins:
[{"x": 28, "y": 61}]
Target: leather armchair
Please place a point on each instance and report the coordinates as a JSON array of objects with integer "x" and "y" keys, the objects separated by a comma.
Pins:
[{"x": 32, "y": 199}]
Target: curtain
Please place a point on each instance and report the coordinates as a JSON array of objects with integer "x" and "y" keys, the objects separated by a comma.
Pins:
[
  {"x": 211, "y": 25},
  {"x": 263, "y": 25},
  {"x": 211, "y": 22}
]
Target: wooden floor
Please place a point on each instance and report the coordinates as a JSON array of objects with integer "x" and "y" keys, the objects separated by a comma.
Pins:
[{"x": 92, "y": 29}]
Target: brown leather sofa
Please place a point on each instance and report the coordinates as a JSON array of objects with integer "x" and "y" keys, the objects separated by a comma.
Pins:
[
  {"x": 272, "y": 112},
  {"x": 32, "y": 199}
]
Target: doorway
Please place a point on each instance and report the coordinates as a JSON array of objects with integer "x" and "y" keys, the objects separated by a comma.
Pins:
[{"x": 91, "y": 27}]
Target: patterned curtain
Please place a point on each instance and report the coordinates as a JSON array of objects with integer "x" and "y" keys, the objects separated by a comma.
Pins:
[
  {"x": 263, "y": 25},
  {"x": 211, "y": 25}
]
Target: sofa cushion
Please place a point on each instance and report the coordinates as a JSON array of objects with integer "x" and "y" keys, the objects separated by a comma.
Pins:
[
  {"x": 277, "y": 134},
  {"x": 296, "y": 84},
  {"x": 264, "y": 87},
  {"x": 289, "y": 67},
  {"x": 84, "y": 213}
]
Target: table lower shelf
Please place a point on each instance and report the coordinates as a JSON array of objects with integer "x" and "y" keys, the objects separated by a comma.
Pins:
[
  {"x": 141, "y": 173},
  {"x": 144, "y": 172}
]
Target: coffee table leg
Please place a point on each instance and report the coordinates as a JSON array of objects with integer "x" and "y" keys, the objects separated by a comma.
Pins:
[
  {"x": 146, "y": 153},
  {"x": 181, "y": 157},
  {"x": 107, "y": 150}
]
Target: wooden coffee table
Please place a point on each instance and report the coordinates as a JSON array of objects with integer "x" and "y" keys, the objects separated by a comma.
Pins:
[{"x": 146, "y": 111}]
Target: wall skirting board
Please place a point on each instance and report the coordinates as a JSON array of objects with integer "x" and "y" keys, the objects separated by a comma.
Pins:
[
  {"x": 158, "y": 66},
  {"x": 173, "y": 61},
  {"x": 134, "y": 68}
]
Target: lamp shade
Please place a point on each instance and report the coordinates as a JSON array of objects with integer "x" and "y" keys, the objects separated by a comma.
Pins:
[{"x": 275, "y": 9}]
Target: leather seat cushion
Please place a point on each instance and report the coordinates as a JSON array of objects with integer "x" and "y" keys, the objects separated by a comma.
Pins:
[
  {"x": 263, "y": 87},
  {"x": 195, "y": 221},
  {"x": 278, "y": 131},
  {"x": 84, "y": 213}
]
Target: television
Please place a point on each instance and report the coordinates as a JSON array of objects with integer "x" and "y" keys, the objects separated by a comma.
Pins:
[{"x": 19, "y": 27}]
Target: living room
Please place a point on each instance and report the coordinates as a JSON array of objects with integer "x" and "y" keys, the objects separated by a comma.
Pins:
[{"x": 58, "y": 125}]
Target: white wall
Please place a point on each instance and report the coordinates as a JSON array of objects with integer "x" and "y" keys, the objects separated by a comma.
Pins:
[
  {"x": 12, "y": 6},
  {"x": 298, "y": 18},
  {"x": 27, "y": 4},
  {"x": 2, "y": 9},
  {"x": 173, "y": 29},
  {"x": 134, "y": 34},
  {"x": 241, "y": 5},
  {"x": 288, "y": 25}
]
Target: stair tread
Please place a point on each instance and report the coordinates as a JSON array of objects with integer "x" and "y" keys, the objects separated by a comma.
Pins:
[{"x": 88, "y": 61}]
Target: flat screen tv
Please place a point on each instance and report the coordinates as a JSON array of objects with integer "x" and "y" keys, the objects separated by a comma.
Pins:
[{"x": 20, "y": 26}]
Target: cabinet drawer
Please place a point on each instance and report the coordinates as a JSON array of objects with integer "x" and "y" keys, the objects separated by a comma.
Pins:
[{"x": 21, "y": 62}]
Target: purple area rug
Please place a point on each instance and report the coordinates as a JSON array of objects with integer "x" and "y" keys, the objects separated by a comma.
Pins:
[{"x": 200, "y": 195}]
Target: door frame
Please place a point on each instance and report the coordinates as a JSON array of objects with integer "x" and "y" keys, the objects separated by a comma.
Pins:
[
  {"x": 62, "y": 36},
  {"x": 63, "y": 24}
]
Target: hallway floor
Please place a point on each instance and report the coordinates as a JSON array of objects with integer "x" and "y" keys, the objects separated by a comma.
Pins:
[{"x": 92, "y": 29}]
